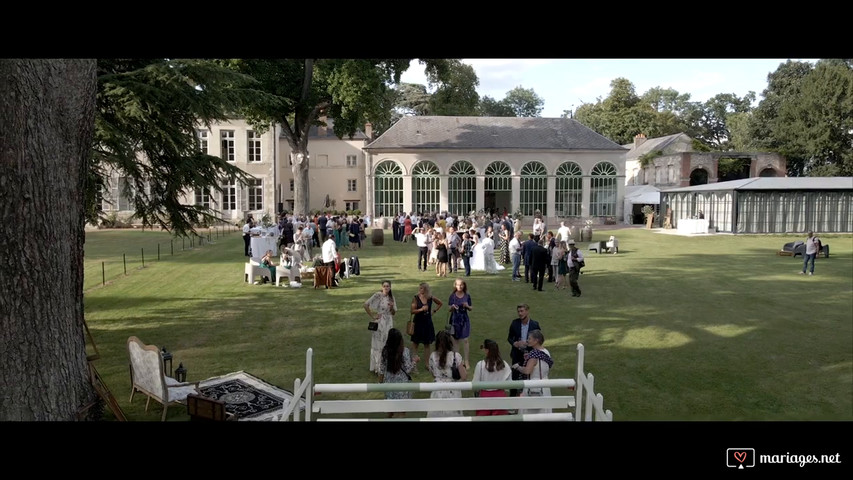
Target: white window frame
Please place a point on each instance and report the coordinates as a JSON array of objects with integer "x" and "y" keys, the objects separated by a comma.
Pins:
[
  {"x": 255, "y": 191},
  {"x": 352, "y": 185},
  {"x": 253, "y": 146},
  {"x": 352, "y": 161},
  {"x": 228, "y": 151}
]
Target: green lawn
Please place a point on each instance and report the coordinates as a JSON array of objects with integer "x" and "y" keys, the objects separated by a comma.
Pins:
[{"x": 675, "y": 328}]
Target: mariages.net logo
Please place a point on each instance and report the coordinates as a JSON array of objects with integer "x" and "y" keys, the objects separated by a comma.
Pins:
[{"x": 742, "y": 458}]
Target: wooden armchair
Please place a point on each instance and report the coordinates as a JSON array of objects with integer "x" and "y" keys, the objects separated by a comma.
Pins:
[{"x": 147, "y": 375}]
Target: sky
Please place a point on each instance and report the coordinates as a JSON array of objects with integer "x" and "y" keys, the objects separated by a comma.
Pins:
[{"x": 566, "y": 84}]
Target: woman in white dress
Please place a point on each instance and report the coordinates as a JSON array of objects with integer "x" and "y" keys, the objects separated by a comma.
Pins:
[
  {"x": 490, "y": 265},
  {"x": 537, "y": 365},
  {"x": 440, "y": 362},
  {"x": 381, "y": 307}
]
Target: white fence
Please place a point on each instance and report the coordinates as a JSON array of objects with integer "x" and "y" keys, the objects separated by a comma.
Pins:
[{"x": 587, "y": 405}]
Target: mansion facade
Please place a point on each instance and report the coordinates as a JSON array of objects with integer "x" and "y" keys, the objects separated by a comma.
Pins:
[{"x": 553, "y": 166}]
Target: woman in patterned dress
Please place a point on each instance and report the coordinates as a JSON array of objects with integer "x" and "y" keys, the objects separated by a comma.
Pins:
[
  {"x": 381, "y": 307},
  {"x": 537, "y": 365},
  {"x": 395, "y": 366},
  {"x": 440, "y": 362},
  {"x": 503, "y": 246},
  {"x": 459, "y": 305}
]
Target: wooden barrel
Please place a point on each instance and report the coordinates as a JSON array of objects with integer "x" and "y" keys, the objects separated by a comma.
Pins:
[{"x": 378, "y": 236}]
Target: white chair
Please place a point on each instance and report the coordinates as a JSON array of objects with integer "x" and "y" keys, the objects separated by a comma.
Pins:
[
  {"x": 612, "y": 245},
  {"x": 147, "y": 375},
  {"x": 253, "y": 269}
]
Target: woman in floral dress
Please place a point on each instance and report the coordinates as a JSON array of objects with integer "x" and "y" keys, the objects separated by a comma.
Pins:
[
  {"x": 381, "y": 307},
  {"x": 440, "y": 363},
  {"x": 395, "y": 367}
]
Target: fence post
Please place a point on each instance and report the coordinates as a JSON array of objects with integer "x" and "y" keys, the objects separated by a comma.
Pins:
[
  {"x": 103, "y": 274},
  {"x": 172, "y": 247},
  {"x": 158, "y": 252},
  {"x": 183, "y": 243},
  {"x": 124, "y": 261},
  {"x": 143, "y": 257}
]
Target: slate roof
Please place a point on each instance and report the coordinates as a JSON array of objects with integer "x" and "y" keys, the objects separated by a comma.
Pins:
[
  {"x": 772, "y": 183},
  {"x": 652, "y": 144},
  {"x": 314, "y": 132},
  {"x": 514, "y": 133}
]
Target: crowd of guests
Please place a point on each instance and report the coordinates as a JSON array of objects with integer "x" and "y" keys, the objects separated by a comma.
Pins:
[
  {"x": 299, "y": 235},
  {"x": 394, "y": 362}
]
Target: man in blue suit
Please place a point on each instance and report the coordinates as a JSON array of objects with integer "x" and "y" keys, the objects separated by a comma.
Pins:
[{"x": 517, "y": 338}]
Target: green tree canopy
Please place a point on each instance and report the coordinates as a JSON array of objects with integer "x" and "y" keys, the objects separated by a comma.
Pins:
[
  {"x": 145, "y": 130},
  {"x": 807, "y": 115},
  {"x": 351, "y": 91},
  {"x": 524, "y": 102}
]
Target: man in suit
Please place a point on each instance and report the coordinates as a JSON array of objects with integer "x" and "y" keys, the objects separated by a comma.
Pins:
[
  {"x": 526, "y": 250},
  {"x": 517, "y": 339},
  {"x": 540, "y": 258}
]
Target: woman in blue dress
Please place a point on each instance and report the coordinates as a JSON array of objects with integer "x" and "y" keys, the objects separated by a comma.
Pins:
[{"x": 460, "y": 304}]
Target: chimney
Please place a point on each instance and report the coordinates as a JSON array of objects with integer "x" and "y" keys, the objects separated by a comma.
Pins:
[
  {"x": 639, "y": 139},
  {"x": 368, "y": 130},
  {"x": 321, "y": 129}
]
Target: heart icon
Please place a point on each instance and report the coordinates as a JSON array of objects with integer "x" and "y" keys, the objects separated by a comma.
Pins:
[{"x": 740, "y": 456}]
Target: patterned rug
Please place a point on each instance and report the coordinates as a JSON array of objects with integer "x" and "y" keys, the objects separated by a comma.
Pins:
[{"x": 248, "y": 397}]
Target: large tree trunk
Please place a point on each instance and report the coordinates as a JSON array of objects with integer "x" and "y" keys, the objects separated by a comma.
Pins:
[
  {"x": 300, "y": 182},
  {"x": 47, "y": 110}
]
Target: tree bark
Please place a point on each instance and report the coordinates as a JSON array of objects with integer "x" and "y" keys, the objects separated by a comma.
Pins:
[
  {"x": 300, "y": 182},
  {"x": 47, "y": 110}
]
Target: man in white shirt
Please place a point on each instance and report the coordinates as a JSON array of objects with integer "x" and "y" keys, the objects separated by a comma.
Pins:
[
  {"x": 813, "y": 247},
  {"x": 247, "y": 227},
  {"x": 329, "y": 252},
  {"x": 421, "y": 240},
  {"x": 515, "y": 256},
  {"x": 563, "y": 233}
]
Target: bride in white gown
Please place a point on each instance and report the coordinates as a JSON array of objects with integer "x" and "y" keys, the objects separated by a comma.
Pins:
[{"x": 484, "y": 256}]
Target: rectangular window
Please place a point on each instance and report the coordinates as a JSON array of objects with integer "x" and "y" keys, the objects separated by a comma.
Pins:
[
  {"x": 228, "y": 153},
  {"x": 291, "y": 184},
  {"x": 202, "y": 141},
  {"x": 351, "y": 185},
  {"x": 202, "y": 197},
  {"x": 352, "y": 161},
  {"x": 256, "y": 194},
  {"x": 352, "y": 205},
  {"x": 254, "y": 145},
  {"x": 229, "y": 197}
]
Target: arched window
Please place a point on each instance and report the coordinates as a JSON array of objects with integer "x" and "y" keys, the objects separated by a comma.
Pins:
[
  {"x": 602, "y": 194},
  {"x": 534, "y": 188},
  {"x": 387, "y": 189},
  {"x": 426, "y": 188},
  {"x": 569, "y": 190},
  {"x": 670, "y": 174},
  {"x": 462, "y": 188},
  {"x": 698, "y": 176},
  {"x": 498, "y": 177}
]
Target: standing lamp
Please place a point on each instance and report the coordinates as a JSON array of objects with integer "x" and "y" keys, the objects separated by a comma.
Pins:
[
  {"x": 181, "y": 373},
  {"x": 167, "y": 357}
]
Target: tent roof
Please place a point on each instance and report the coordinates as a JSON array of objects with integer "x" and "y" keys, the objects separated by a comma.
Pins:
[
  {"x": 772, "y": 183},
  {"x": 645, "y": 194}
]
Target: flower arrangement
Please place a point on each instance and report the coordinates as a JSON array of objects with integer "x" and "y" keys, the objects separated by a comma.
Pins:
[
  {"x": 518, "y": 215},
  {"x": 266, "y": 220},
  {"x": 648, "y": 210}
]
